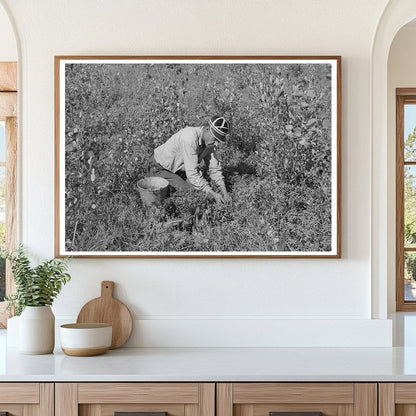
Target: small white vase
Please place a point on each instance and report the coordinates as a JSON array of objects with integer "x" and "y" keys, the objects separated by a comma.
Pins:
[
  {"x": 37, "y": 330},
  {"x": 12, "y": 334}
]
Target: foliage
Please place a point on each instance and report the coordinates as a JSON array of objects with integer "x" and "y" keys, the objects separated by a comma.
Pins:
[
  {"x": 276, "y": 162},
  {"x": 35, "y": 286},
  {"x": 410, "y": 192},
  {"x": 410, "y": 206},
  {"x": 2, "y": 234},
  {"x": 410, "y": 266}
]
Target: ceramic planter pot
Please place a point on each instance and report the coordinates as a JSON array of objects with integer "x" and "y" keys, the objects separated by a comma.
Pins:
[
  {"x": 12, "y": 334},
  {"x": 83, "y": 340},
  {"x": 37, "y": 330}
]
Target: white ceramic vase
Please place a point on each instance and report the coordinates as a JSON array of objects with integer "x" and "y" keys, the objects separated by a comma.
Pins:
[
  {"x": 37, "y": 330},
  {"x": 12, "y": 334}
]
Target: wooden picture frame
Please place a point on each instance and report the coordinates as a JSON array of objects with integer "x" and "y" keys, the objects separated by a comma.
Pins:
[{"x": 281, "y": 161}]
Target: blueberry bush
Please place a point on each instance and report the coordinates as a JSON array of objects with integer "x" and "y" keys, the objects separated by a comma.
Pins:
[{"x": 276, "y": 162}]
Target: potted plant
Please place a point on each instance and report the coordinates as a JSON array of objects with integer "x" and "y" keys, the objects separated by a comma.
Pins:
[{"x": 36, "y": 289}]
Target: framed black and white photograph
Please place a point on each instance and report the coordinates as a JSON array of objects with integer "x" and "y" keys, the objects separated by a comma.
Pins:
[{"x": 198, "y": 156}]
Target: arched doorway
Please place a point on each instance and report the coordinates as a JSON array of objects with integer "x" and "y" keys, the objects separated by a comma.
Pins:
[
  {"x": 401, "y": 98},
  {"x": 396, "y": 15}
]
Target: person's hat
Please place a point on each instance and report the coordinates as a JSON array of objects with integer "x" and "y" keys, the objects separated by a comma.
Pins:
[{"x": 219, "y": 127}]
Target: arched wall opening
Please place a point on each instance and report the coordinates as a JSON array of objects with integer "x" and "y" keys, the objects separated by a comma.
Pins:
[
  {"x": 401, "y": 74},
  {"x": 396, "y": 15}
]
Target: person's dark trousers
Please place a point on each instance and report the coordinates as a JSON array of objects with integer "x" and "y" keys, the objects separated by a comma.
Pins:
[{"x": 174, "y": 180}]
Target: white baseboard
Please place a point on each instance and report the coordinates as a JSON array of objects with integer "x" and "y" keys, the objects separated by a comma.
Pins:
[{"x": 189, "y": 332}]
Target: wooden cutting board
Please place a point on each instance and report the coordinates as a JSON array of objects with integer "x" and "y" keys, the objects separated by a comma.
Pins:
[{"x": 109, "y": 310}]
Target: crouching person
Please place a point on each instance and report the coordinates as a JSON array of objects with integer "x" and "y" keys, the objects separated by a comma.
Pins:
[{"x": 182, "y": 158}]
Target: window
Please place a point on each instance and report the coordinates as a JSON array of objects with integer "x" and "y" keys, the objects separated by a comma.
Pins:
[
  {"x": 406, "y": 199},
  {"x": 8, "y": 168}
]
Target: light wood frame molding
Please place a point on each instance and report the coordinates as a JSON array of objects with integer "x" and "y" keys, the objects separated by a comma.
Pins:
[
  {"x": 403, "y": 96},
  {"x": 386, "y": 399},
  {"x": 8, "y": 113},
  {"x": 8, "y": 90},
  {"x": 8, "y": 76}
]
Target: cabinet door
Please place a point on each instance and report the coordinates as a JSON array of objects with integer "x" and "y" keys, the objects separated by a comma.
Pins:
[
  {"x": 26, "y": 399},
  {"x": 397, "y": 399},
  {"x": 297, "y": 399},
  {"x": 142, "y": 399}
]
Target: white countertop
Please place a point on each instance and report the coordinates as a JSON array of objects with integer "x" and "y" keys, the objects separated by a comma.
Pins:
[
  {"x": 215, "y": 364},
  {"x": 221, "y": 364}
]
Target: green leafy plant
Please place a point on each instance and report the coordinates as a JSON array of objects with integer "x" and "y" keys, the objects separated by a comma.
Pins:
[
  {"x": 276, "y": 162},
  {"x": 35, "y": 286}
]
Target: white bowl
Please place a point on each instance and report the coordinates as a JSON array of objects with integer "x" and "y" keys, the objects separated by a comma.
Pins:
[{"x": 83, "y": 340}]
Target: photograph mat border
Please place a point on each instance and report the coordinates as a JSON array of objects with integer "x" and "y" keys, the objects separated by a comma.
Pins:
[{"x": 335, "y": 62}]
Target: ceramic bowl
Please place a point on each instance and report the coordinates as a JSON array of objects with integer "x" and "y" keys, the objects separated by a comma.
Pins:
[{"x": 83, "y": 340}]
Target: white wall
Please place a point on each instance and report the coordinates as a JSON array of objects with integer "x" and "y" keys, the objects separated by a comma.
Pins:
[
  {"x": 401, "y": 74},
  {"x": 196, "y": 302},
  {"x": 8, "y": 46}
]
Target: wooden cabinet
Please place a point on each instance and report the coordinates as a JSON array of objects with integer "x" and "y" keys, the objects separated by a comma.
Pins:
[
  {"x": 27, "y": 399},
  {"x": 208, "y": 399},
  {"x": 397, "y": 399},
  {"x": 107, "y": 399},
  {"x": 264, "y": 399}
]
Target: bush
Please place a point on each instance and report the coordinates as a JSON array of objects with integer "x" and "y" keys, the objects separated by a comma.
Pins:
[
  {"x": 277, "y": 160},
  {"x": 35, "y": 286}
]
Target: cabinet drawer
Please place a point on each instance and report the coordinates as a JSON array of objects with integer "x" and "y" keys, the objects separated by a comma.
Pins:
[
  {"x": 309, "y": 399},
  {"x": 148, "y": 399},
  {"x": 138, "y": 393},
  {"x": 19, "y": 393}
]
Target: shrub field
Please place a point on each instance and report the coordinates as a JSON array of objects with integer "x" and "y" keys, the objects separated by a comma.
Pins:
[{"x": 276, "y": 162}]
